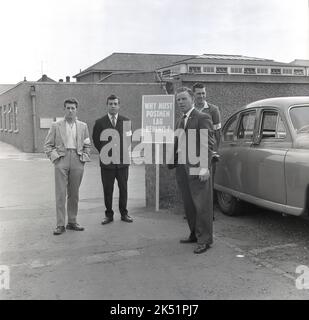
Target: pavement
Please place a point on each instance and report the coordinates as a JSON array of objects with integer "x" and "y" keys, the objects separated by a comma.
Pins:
[{"x": 139, "y": 260}]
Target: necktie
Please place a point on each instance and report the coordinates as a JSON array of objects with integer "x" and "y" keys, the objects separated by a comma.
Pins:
[
  {"x": 113, "y": 120},
  {"x": 183, "y": 121}
]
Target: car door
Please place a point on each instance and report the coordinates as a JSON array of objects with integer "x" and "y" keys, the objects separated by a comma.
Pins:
[
  {"x": 237, "y": 138},
  {"x": 265, "y": 163}
]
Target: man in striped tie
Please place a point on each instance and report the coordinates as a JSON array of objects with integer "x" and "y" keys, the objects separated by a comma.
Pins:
[{"x": 112, "y": 138}]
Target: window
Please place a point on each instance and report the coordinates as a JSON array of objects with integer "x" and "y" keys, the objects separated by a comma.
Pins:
[
  {"x": 1, "y": 118},
  {"x": 300, "y": 118},
  {"x": 287, "y": 71},
  {"x": 249, "y": 71},
  {"x": 275, "y": 71},
  {"x": 166, "y": 73},
  {"x": 195, "y": 69},
  {"x": 246, "y": 126},
  {"x": 10, "y": 117},
  {"x": 15, "y": 122},
  {"x": 229, "y": 130},
  {"x": 272, "y": 126},
  {"x": 221, "y": 70},
  {"x": 299, "y": 72},
  {"x": 236, "y": 70},
  {"x": 4, "y": 118},
  {"x": 262, "y": 70},
  {"x": 209, "y": 69}
]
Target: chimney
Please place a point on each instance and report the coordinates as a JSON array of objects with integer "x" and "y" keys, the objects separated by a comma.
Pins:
[
  {"x": 25, "y": 79},
  {"x": 67, "y": 79},
  {"x": 60, "y": 80}
]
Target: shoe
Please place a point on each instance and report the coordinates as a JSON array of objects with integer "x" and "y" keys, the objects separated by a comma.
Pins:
[
  {"x": 188, "y": 240},
  {"x": 126, "y": 218},
  {"x": 107, "y": 220},
  {"x": 75, "y": 227},
  {"x": 59, "y": 230},
  {"x": 201, "y": 248}
]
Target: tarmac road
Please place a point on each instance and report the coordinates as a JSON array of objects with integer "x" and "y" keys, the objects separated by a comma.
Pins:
[{"x": 253, "y": 257}]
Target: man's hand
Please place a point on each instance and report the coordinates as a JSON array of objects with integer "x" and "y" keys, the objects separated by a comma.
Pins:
[{"x": 204, "y": 174}]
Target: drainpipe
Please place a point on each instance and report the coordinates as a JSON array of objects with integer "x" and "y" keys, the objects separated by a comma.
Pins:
[{"x": 33, "y": 101}]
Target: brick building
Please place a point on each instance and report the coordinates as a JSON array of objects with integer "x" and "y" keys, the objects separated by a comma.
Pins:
[{"x": 28, "y": 109}]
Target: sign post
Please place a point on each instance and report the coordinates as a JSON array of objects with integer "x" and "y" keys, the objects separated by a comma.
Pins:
[{"x": 158, "y": 127}]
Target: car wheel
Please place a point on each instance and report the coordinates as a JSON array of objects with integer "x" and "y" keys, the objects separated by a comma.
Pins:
[{"x": 228, "y": 204}]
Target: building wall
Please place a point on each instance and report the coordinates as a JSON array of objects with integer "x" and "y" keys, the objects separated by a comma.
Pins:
[
  {"x": 49, "y": 104},
  {"x": 23, "y": 139},
  {"x": 231, "y": 96}
]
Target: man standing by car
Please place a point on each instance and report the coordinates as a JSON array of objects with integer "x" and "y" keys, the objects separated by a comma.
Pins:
[
  {"x": 67, "y": 145},
  {"x": 113, "y": 130},
  {"x": 195, "y": 180}
]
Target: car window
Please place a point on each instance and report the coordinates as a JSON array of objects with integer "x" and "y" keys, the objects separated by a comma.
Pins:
[
  {"x": 228, "y": 134},
  {"x": 246, "y": 126},
  {"x": 300, "y": 118},
  {"x": 272, "y": 126}
]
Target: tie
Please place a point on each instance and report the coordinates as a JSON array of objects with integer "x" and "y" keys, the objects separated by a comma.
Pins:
[
  {"x": 113, "y": 120},
  {"x": 183, "y": 121}
]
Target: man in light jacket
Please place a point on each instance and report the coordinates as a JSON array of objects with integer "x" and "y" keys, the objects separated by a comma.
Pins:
[{"x": 67, "y": 145}]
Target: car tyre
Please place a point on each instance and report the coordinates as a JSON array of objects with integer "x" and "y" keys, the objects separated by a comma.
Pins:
[{"x": 228, "y": 204}]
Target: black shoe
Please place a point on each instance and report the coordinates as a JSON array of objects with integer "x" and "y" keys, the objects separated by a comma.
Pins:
[
  {"x": 126, "y": 218},
  {"x": 75, "y": 227},
  {"x": 59, "y": 230},
  {"x": 107, "y": 220},
  {"x": 201, "y": 248},
  {"x": 188, "y": 240}
]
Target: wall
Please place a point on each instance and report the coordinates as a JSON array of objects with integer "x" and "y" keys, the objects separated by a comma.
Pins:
[
  {"x": 49, "y": 104},
  {"x": 23, "y": 139}
]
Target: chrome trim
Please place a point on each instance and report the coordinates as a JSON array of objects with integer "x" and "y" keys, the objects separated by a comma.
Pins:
[{"x": 295, "y": 211}]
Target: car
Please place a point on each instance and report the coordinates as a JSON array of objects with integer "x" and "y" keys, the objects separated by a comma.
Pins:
[{"x": 264, "y": 157}]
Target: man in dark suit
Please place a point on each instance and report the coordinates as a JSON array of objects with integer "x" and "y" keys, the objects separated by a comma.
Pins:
[
  {"x": 112, "y": 137},
  {"x": 195, "y": 179}
]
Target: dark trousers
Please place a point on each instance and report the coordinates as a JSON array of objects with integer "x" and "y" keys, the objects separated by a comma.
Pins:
[
  {"x": 198, "y": 204},
  {"x": 108, "y": 177}
]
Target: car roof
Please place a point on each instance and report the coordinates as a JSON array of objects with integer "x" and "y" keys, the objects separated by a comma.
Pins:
[{"x": 280, "y": 102}]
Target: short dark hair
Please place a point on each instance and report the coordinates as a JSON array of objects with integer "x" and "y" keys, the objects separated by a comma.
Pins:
[
  {"x": 185, "y": 89},
  {"x": 198, "y": 85},
  {"x": 112, "y": 97},
  {"x": 71, "y": 100}
]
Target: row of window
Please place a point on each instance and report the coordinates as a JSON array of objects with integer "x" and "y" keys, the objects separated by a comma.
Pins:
[
  {"x": 244, "y": 70},
  {"x": 272, "y": 126},
  {"x": 8, "y": 117}
]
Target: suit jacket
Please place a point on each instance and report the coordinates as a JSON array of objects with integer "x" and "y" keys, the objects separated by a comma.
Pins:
[
  {"x": 55, "y": 142},
  {"x": 196, "y": 121},
  {"x": 121, "y": 146}
]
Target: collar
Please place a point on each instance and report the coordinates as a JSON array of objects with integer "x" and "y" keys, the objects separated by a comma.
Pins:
[
  {"x": 205, "y": 106},
  {"x": 110, "y": 116},
  {"x": 65, "y": 120},
  {"x": 189, "y": 112}
]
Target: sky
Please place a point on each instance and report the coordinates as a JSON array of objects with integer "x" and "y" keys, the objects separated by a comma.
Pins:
[{"x": 62, "y": 37}]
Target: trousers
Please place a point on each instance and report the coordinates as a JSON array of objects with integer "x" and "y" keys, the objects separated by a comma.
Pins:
[
  {"x": 69, "y": 172},
  {"x": 198, "y": 204}
]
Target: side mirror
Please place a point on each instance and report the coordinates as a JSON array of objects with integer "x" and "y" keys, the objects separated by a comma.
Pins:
[{"x": 257, "y": 139}]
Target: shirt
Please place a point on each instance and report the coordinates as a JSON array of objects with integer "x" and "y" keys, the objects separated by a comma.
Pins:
[
  {"x": 214, "y": 113},
  {"x": 71, "y": 135},
  {"x": 111, "y": 116},
  {"x": 187, "y": 116}
]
